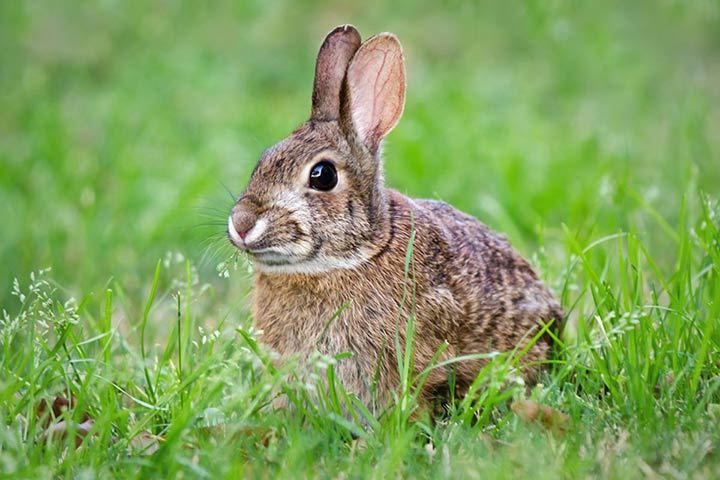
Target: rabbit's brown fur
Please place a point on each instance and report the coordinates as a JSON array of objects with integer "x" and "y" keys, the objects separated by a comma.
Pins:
[{"x": 317, "y": 251}]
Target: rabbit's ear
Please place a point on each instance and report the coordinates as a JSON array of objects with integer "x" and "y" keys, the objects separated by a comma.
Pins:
[
  {"x": 376, "y": 88},
  {"x": 332, "y": 62}
]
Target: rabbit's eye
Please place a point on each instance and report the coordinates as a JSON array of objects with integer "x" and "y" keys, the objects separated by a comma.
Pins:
[{"x": 323, "y": 176}]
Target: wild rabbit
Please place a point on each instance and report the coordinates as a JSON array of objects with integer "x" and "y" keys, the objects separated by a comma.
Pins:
[{"x": 323, "y": 231}]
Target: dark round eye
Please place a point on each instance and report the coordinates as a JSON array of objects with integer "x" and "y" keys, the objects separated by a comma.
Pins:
[{"x": 323, "y": 176}]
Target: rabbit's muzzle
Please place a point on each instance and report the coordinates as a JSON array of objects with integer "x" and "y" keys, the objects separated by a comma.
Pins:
[{"x": 271, "y": 233}]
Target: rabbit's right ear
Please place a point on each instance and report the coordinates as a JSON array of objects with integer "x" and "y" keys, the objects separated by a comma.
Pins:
[
  {"x": 375, "y": 89},
  {"x": 332, "y": 61}
]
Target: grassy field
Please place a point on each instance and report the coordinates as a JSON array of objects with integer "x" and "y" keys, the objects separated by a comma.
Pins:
[{"x": 588, "y": 132}]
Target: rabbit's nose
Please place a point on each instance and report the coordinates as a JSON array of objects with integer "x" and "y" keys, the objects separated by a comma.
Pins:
[{"x": 241, "y": 222}]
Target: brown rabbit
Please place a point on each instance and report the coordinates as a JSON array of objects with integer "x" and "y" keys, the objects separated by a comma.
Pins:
[{"x": 323, "y": 232}]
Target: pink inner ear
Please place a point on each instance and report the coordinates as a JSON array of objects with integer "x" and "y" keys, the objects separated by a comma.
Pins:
[{"x": 376, "y": 79}]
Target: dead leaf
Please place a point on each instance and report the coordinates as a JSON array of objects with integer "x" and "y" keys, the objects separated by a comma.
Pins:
[
  {"x": 211, "y": 421},
  {"x": 56, "y": 422},
  {"x": 266, "y": 434},
  {"x": 713, "y": 410},
  {"x": 61, "y": 429},
  {"x": 533, "y": 412},
  {"x": 430, "y": 450},
  {"x": 145, "y": 443}
]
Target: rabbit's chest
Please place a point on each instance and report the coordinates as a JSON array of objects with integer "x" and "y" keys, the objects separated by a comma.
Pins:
[
  {"x": 298, "y": 322},
  {"x": 301, "y": 320}
]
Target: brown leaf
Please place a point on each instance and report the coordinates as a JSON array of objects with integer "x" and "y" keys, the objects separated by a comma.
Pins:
[
  {"x": 146, "y": 443},
  {"x": 266, "y": 434},
  {"x": 548, "y": 417},
  {"x": 58, "y": 426},
  {"x": 61, "y": 429}
]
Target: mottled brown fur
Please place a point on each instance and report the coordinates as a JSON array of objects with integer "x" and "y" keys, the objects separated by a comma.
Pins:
[{"x": 471, "y": 288}]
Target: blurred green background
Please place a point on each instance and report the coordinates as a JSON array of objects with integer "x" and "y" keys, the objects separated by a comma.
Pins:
[{"x": 123, "y": 125}]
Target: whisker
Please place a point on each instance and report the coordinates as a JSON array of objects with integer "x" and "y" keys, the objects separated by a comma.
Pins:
[
  {"x": 212, "y": 210},
  {"x": 215, "y": 238},
  {"x": 215, "y": 253},
  {"x": 233, "y": 197},
  {"x": 210, "y": 224}
]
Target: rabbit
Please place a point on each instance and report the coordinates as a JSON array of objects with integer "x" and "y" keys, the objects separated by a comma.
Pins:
[{"x": 324, "y": 233}]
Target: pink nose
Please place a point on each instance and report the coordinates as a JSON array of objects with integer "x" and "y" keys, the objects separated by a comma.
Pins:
[{"x": 243, "y": 220}]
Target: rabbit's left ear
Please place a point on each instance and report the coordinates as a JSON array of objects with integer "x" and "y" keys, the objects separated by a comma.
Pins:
[
  {"x": 376, "y": 88},
  {"x": 332, "y": 61}
]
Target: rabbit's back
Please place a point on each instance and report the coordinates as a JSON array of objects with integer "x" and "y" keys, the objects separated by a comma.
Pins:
[{"x": 503, "y": 301}]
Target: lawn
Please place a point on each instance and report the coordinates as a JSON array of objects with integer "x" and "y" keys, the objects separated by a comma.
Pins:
[{"x": 588, "y": 132}]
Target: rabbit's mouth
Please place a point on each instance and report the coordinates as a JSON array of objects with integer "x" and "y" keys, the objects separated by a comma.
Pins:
[
  {"x": 274, "y": 256},
  {"x": 273, "y": 260},
  {"x": 274, "y": 263}
]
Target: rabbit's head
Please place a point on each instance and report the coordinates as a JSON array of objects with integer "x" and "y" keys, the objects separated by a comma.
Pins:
[{"x": 315, "y": 201}]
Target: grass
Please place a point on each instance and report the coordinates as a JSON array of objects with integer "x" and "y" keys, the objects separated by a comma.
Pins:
[{"x": 588, "y": 132}]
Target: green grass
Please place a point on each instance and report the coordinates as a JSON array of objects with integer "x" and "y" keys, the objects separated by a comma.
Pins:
[{"x": 588, "y": 132}]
